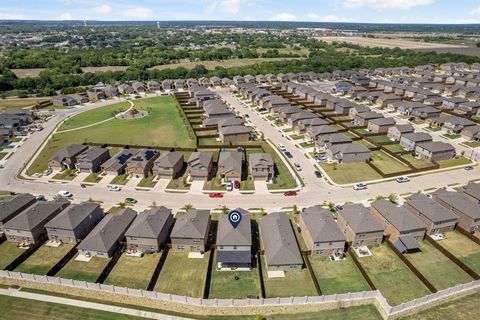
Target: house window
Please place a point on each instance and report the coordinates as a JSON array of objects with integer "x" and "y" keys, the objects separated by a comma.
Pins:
[
  {"x": 196, "y": 240},
  {"x": 221, "y": 247},
  {"x": 181, "y": 247}
]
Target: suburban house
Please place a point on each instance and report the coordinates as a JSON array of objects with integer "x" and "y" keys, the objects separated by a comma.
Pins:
[
  {"x": 9, "y": 209},
  {"x": 75, "y": 222},
  {"x": 153, "y": 85},
  {"x": 380, "y": 125},
  {"x": 234, "y": 245},
  {"x": 67, "y": 157},
  {"x": 200, "y": 165},
  {"x": 261, "y": 166},
  {"x": 473, "y": 191},
  {"x": 426, "y": 113},
  {"x": 397, "y": 131},
  {"x": 191, "y": 230},
  {"x": 331, "y": 140},
  {"x": 435, "y": 151},
  {"x": 314, "y": 132},
  {"x": 279, "y": 243},
  {"x": 125, "y": 89},
  {"x": 303, "y": 125},
  {"x": 320, "y": 232},
  {"x": 28, "y": 227},
  {"x": 438, "y": 219},
  {"x": 362, "y": 119},
  {"x": 466, "y": 209},
  {"x": 169, "y": 165},
  {"x": 234, "y": 134},
  {"x": 95, "y": 94},
  {"x": 116, "y": 165},
  {"x": 230, "y": 166},
  {"x": 348, "y": 153},
  {"x": 410, "y": 140},
  {"x": 300, "y": 116},
  {"x": 92, "y": 159},
  {"x": 229, "y": 122},
  {"x": 141, "y": 163},
  {"x": 107, "y": 235},
  {"x": 150, "y": 230},
  {"x": 359, "y": 226},
  {"x": 404, "y": 229}
]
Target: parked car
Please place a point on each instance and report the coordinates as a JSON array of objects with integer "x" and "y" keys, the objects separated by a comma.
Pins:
[
  {"x": 114, "y": 188},
  {"x": 130, "y": 201},
  {"x": 297, "y": 167},
  {"x": 40, "y": 198},
  {"x": 65, "y": 194},
  {"x": 288, "y": 154},
  {"x": 318, "y": 174},
  {"x": 289, "y": 193},
  {"x": 360, "y": 186},
  {"x": 282, "y": 147},
  {"x": 83, "y": 185},
  {"x": 468, "y": 168},
  {"x": 321, "y": 159},
  {"x": 236, "y": 184},
  {"x": 338, "y": 207},
  {"x": 402, "y": 179},
  {"x": 215, "y": 195},
  {"x": 47, "y": 172},
  {"x": 229, "y": 186}
]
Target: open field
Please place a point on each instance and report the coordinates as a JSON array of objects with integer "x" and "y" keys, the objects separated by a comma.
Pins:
[
  {"x": 386, "y": 163},
  {"x": 474, "y": 52},
  {"x": 24, "y": 73},
  {"x": 437, "y": 268},
  {"x": 234, "y": 284},
  {"x": 133, "y": 272},
  {"x": 183, "y": 276},
  {"x": 396, "y": 282},
  {"x": 84, "y": 271},
  {"x": 19, "y": 103},
  {"x": 463, "y": 248},
  {"x": 42, "y": 260},
  {"x": 389, "y": 43},
  {"x": 8, "y": 253},
  {"x": 344, "y": 173},
  {"x": 104, "y": 69}
]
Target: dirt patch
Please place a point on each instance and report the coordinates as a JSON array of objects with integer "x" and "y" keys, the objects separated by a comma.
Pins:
[
  {"x": 24, "y": 73},
  {"x": 389, "y": 43},
  {"x": 104, "y": 69}
]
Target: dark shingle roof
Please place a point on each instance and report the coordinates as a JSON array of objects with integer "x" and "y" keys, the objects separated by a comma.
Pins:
[
  {"x": 74, "y": 215},
  {"x": 320, "y": 225},
  {"x": 151, "y": 223},
  {"x": 192, "y": 225},
  {"x": 229, "y": 236}
]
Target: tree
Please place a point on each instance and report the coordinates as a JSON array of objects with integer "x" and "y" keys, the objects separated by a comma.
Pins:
[
  {"x": 188, "y": 207},
  {"x": 295, "y": 209},
  {"x": 379, "y": 197},
  {"x": 331, "y": 206},
  {"x": 392, "y": 197},
  {"x": 225, "y": 210}
]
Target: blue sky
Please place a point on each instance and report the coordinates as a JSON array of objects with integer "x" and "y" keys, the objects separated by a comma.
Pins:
[{"x": 381, "y": 11}]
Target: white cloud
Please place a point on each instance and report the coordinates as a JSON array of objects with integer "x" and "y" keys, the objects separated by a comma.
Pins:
[
  {"x": 65, "y": 16},
  {"x": 475, "y": 11},
  {"x": 386, "y": 4},
  {"x": 10, "y": 16},
  {"x": 102, "y": 9},
  {"x": 327, "y": 18},
  {"x": 283, "y": 16},
  {"x": 137, "y": 13},
  {"x": 224, "y": 6}
]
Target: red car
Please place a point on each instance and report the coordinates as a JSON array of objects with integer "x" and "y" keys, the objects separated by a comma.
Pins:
[
  {"x": 215, "y": 195},
  {"x": 289, "y": 193},
  {"x": 236, "y": 184}
]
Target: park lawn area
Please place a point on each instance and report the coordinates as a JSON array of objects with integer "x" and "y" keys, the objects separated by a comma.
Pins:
[
  {"x": 83, "y": 271},
  {"x": 224, "y": 285},
  {"x": 337, "y": 276},
  {"x": 94, "y": 177},
  {"x": 394, "y": 148},
  {"x": 42, "y": 260},
  {"x": 183, "y": 276},
  {"x": 390, "y": 275},
  {"x": 460, "y": 161},
  {"x": 94, "y": 116},
  {"x": 345, "y": 173},
  {"x": 164, "y": 126},
  {"x": 417, "y": 163},
  {"x": 121, "y": 179},
  {"x": 437, "y": 268},
  {"x": 133, "y": 272},
  {"x": 380, "y": 139},
  {"x": 463, "y": 248},
  {"x": 283, "y": 178},
  {"x": 147, "y": 182},
  {"x": 472, "y": 144},
  {"x": 297, "y": 283},
  {"x": 365, "y": 312},
  {"x": 8, "y": 253},
  {"x": 386, "y": 163}
]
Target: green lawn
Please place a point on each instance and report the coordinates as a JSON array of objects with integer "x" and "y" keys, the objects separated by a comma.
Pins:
[
  {"x": 42, "y": 260},
  {"x": 84, "y": 271},
  {"x": 307, "y": 145},
  {"x": 380, "y": 139},
  {"x": 344, "y": 173},
  {"x": 472, "y": 144},
  {"x": 463, "y": 248},
  {"x": 121, "y": 179},
  {"x": 386, "y": 163},
  {"x": 8, "y": 253},
  {"x": 396, "y": 282},
  {"x": 94, "y": 177},
  {"x": 164, "y": 126},
  {"x": 297, "y": 283},
  {"x": 417, "y": 163},
  {"x": 460, "y": 161},
  {"x": 365, "y": 143},
  {"x": 437, "y": 268},
  {"x": 133, "y": 272},
  {"x": 451, "y": 136},
  {"x": 183, "y": 276},
  {"x": 394, "y": 148},
  {"x": 68, "y": 175},
  {"x": 3, "y": 155},
  {"x": 147, "y": 182},
  {"x": 283, "y": 178},
  {"x": 297, "y": 136}
]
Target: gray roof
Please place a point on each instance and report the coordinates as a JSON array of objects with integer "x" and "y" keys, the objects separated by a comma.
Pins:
[
  {"x": 119, "y": 160},
  {"x": 370, "y": 115},
  {"x": 168, "y": 159},
  {"x": 234, "y": 256},
  {"x": 235, "y": 130},
  {"x": 383, "y": 121},
  {"x": 459, "y": 201},
  {"x": 151, "y": 223},
  {"x": 430, "y": 208},
  {"x": 279, "y": 241},
  {"x": 360, "y": 219},
  {"x": 108, "y": 231},
  {"x": 200, "y": 159},
  {"x": 230, "y": 121},
  {"x": 36, "y": 214},
  {"x": 321, "y": 225},
  {"x": 230, "y": 161},
  {"x": 398, "y": 217},
  {"x": 473, "y": 190},
  {"x": 347, "y": 148},
  {"x": 404, "y": 128},
  {"x": 141, "y": 158},
  {"x": 69, "y": 151},
  {"x": 437, "y": 146},
  {"x": 260, "y": 159},
  {"x": 13, "y": 206},
  {"x": 192, "y": 225},
  {"x": 417, "y": 136},
  {"x": 229, "y": 236},
  {"x": 92, "y": 154},
  {"x": 73, "y": 216}
]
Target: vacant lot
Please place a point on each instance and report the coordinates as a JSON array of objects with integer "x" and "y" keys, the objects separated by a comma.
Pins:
[
  {"x": 133, "y": 272},
  {"x": 464, "y": 249},
  {"x": 42, "y": 260},
  {"x": 84, "y": 271},
  {"x": 386, "y": 163},
  {"x": 388, "y": 43},
  {"x": 19, "y": 103},
  {"x": 24, "y": 73},
  {"x": 183, "y": 276},
  {"x": 339, "y": 276},
  {"x": 345, "y": 173},
  {"x": 234, "y": 284},
  {"x": 396, "y": 282},
  {"x": 437, "y": 268},
  {"x": 8, "y": 253}
]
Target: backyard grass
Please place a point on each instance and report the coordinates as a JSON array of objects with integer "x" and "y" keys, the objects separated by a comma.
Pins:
[
  {"x": 283, "y": 179},
  {"x": 42, "y": 260},
  {"x": 394, "y": 148},
  {"x": 345, "y": 173},
  {"x": 93, "y": 178},
  {"x": 183, "y": 276},
  {"x": 380, "y": 139},
  {"x": 163, "y": 126},
  {"x": 83, "y": 271},
  {"x": 396, "y": 282},
  {"x": 147, "y": 182},
  {"x": 463, "y": 248},
  {"x": 8, "y": 253},
  {"x": 386, "y": 163},
  {"x": 460, "y": 161},
  {"x": 121, "y": 179},
  {"x": 337, "y": 276},
  {"x": 437, "y": 268},
  {"x": 297, "y": 283},
  {"x": 417, "y": 163},
  {"x": 133, "y": 272},
  {"x": 365, "y": 143}
]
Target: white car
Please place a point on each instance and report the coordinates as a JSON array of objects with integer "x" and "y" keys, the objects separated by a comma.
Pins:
[
  {"x": 402, "y": 179},
  {"x": 114, "y": 188},
  {"x": 282, "y": 147},
  {"x": 47, "y": 172},
  {"x": 360, "y": 186},
  {"x": 65, "y": 194},
  {"x": 229, "y": 186},
  {"x": 297, "y": 166}
]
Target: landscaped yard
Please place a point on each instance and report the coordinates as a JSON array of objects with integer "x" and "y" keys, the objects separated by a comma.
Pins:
[
  {"x": 8, "y": 253},
  {"x": 283, "y": 178},
  {"x": 163, "y": 126},
  {"x": 394, "y": 148},
  {"x": 121, "y": 179},
  {"x": 472, "y": 144},
  {"x": 389, "y": 274},
  {"x": 345, "y": 173},
  {"x": 386, "y": 163},
  {"x": 451, "y": 136},
  {"x": 338, "y": 276},
  {"x": 147, "y": 182},
  {"x": 460, "y": 161},
  {"x": 133, "y": 272},
  {"x": 183, "y": 276},
  {"x": 463, "y": 248},
  {"x": 307, "y": 145},
  {"x": 437, "y": 268},
  {"x": 297, "y": 283},
  {"x": 68, "y": 175},
  {"x": 84, "y": 271},
  {"x": 42, "y": 260},
  {"x": 380, "y": 139},
  {"x": 297, "y": 136},
  {"x": 94, "y": 177},
  {"x": 417, "y": 163}
]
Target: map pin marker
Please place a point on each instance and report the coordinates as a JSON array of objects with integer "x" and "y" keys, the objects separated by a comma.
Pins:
[{"x": 234, "y": 217}]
